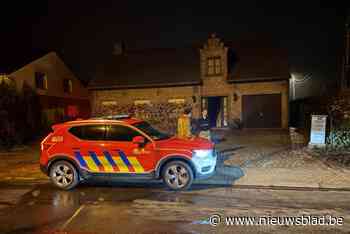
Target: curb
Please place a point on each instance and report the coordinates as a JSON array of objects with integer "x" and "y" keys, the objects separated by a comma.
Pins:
[
  {"x": 23, "y": 182},
  {"x": 296, "y": 188}
]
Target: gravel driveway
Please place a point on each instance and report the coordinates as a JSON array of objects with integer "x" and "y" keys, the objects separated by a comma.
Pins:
[{"x": 266, "y": 158}]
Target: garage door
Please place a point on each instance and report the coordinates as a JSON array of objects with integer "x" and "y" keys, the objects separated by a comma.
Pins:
[{"x": 261, "y": 111}]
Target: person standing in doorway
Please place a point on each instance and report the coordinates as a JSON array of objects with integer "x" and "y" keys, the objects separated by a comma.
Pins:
[
  {"x": 184, "y": 124},
  {"x": 204, "y": 125}
]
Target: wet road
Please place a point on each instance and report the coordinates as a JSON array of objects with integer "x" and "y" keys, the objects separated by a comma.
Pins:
[{"x": 150, "y": 208}]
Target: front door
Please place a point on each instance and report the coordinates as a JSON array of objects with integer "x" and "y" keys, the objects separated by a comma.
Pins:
[{"x": 217, "y": 110}]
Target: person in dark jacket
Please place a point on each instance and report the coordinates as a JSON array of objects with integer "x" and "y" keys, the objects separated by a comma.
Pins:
[{"x": 204, "y": 125}]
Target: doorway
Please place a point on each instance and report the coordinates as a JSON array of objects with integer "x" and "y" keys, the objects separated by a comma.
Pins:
[{"x": 217, "y": 110}]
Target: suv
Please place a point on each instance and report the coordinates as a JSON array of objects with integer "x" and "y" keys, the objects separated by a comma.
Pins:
[{"x": 123, "y": 148}]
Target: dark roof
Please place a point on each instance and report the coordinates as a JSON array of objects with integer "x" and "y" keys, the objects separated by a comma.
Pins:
[
  {"x": 248, "y": 61},
  {"x": 154, "y": 67},
  {"x": 251, "y": 60}
]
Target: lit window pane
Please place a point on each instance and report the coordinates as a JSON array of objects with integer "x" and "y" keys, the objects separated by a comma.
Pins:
[
  {"x": 142, "y": 102},
  {"x": 217, "y": 65},
  {"x": 109, "y": 103},
  {"x": 177, "y": 100}
]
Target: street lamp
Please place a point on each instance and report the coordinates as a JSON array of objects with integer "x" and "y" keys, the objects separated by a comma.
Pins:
[
  {"x": 293, "y": 86},
  {"x": 298, "y": 80}
]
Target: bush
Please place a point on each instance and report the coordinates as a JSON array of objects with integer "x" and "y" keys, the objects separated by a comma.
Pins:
[
  {"x": 18, "y": 115},
  {"x": 31, "y": 113},
  {"x": 9, "y": 102},
  {"x": 339, "y": 139}
]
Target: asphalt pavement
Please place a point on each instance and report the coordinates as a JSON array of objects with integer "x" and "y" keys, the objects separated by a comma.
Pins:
[{"x": 151, "y": 208}]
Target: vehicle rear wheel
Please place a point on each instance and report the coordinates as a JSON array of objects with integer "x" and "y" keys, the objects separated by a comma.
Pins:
[
  {"x": 64, "y": 175},
  {"x": 177, "y": 175}
]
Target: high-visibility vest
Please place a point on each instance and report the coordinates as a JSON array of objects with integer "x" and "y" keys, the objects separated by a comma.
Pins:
[{"x": 184, "y": 127}]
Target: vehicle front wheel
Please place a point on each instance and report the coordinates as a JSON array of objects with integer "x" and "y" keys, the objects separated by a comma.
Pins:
[
  {"x": 64, "y": 175},
  {"x": 177, "y": 175}
]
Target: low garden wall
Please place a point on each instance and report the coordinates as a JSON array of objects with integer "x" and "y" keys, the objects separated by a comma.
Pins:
[{"x": 162, "y": 116}]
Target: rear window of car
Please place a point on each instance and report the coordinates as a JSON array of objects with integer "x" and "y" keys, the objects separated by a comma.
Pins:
[{"x": 89, "y": 132}]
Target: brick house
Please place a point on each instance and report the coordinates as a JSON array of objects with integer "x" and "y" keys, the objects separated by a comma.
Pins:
[
  {"x": 240, "y": 80},
  {"x": 61, "y": 94}
]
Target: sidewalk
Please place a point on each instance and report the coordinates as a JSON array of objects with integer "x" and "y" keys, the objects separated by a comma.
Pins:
[{"x": 21, "y": 165}]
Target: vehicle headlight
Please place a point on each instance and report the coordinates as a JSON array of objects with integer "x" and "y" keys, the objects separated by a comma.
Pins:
[{"x": 202, "y": 153}]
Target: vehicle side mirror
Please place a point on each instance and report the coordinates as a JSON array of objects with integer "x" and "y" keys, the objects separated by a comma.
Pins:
[{"x": 139, "y": 140}]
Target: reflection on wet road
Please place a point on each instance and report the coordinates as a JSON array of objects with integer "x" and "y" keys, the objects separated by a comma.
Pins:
[{"x": 150, "y": 208}]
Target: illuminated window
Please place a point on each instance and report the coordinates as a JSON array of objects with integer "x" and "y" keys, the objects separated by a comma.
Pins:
[
  {"x": 142, "y": 102},
  {"x": 217, "y": 66},
  {"x": 109, "y": 103},
  {"x": 214, "y": 66},
  {"x": 5, "y": 79},
  {"x": 210, "y": 66},
  {"x": 67, "y": 86},
  {"x": 40, "y": 80},
  {"x": 177, "y": 101}
]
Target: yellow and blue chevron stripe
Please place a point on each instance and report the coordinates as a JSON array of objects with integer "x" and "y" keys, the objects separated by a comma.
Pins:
[{"x": 109, "y": 163}]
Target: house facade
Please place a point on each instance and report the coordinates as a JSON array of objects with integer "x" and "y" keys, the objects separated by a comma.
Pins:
[
  {"x": 236, "y": 82},
  {"x": 61, "y": 95}
]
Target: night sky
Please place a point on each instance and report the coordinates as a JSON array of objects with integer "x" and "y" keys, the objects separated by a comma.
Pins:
[{"x": 83, "y": 32}]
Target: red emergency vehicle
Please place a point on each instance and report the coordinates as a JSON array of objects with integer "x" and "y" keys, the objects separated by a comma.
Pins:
[{"x": 123, "y": 147}]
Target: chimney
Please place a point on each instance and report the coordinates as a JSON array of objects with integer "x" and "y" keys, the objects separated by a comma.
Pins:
[{"x": 119, "y": 48}]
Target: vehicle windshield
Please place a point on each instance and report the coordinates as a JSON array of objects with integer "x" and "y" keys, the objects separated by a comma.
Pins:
[{"x": 150, "y": 131}]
